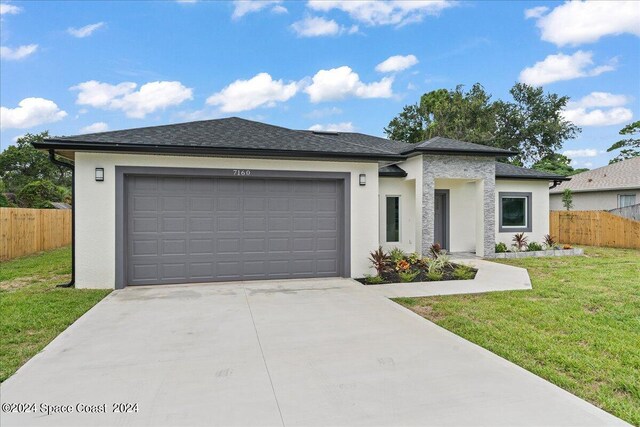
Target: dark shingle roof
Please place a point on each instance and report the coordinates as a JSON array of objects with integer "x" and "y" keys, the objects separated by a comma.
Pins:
[
  {"x": 444, "y": 145},
  {"x": 505, "y": 170},
  {"x": 392, "y": 171},
  {"x": 224, "y": 135},
  {"x": 369, "y": 140}
]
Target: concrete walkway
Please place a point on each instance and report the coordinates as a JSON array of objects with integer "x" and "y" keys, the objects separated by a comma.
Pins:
[
  {"x": 491, "y": 277},
  {"x": 288, "y": 353}
]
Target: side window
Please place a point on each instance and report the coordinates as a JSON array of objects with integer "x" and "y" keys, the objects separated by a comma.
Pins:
[
  {"x": 625, "y": 200},
  {"x": 515, "y": 212},
  {"x": 393, "y": 218}
]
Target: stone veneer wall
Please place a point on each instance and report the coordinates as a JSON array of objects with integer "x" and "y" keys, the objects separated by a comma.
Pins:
[{"x": 459, "y": 167}]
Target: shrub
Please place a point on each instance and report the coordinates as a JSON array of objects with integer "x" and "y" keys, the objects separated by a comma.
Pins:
[
  {"x": 435, "y": 250},
  {"x": 373, "y": 280},
  {"x": 463, "y": 272},
  {"x": 438, "y": 265},
  {"x": 402, "y": 265},
  {"x": 567, "y": 199},
  {"x": 534, "y": 246},
  {"x": 549, "y": 241},
  {"x": 397, "y": 254},
  {"x": 39, "y": 194},
  {"x": 380, "y": 260},
  {"x": 501, "y": 247},
  {"x": 4, "y": 202},
  {"x": 408, "y": 276},
  {"x": 434, "y": 276},
  {"x": 414, "y": 259},
  {"x": 520, "y": 241}
]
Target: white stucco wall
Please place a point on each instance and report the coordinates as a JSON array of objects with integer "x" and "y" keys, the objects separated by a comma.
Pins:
[
  {"x": 406, "y": 190},
  {"x": 593, "y": 200},
  {"x": 95, "y": 205},
  {"x": 462, "y": 213},
  {"x": 539, "y": 190}
]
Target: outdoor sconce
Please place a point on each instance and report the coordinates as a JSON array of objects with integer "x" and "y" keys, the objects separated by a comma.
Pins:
[
  {"x": 99, "y": 174},
  {"x": 363, "y": 179}
]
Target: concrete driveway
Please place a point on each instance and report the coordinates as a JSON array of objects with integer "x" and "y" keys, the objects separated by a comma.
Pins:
[{"x": 294, "y": 353}]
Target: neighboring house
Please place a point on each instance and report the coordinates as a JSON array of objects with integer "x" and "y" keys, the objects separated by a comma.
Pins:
[
  {"x": 609, "y": 187},
  {"x": 233, "y": 199}
]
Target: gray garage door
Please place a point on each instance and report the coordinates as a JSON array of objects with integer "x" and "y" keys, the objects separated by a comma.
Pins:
[{"x": 201, "y": 229}]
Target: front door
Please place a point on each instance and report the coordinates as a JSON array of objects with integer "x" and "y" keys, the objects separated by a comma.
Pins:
[{"x": 441, "y": 218}]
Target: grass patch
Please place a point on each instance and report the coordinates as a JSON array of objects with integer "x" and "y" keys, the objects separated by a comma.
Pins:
[
  {"x": 33, "y": 310},
  {"x": 578, "y": 328}
]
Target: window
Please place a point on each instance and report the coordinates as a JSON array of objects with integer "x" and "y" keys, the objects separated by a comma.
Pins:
[
  {"x": 625, "y": 200},
  {"x": 515, "y": 212},
  {"x": 393, "y": 219}
]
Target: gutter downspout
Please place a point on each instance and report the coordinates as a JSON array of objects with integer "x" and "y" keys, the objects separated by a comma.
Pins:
[
  {"x": 556, "y": 182},
  {"x": 52, "y": 157}
]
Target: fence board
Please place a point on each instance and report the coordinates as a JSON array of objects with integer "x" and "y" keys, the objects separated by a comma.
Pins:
[
  {"x": 27, "y": 231},
  {"x": 594, "y": 228}
]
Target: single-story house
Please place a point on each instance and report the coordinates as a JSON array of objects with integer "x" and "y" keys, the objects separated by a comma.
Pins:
[
  {"x": 233, "y": 199},
  {"x": 613, "y": 186}
]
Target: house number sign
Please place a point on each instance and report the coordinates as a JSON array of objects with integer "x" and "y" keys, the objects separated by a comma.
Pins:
[{"x": 241, "y": 172}]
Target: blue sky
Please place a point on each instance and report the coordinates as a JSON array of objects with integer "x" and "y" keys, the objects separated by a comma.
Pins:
[{"x": 73, "y": 67}]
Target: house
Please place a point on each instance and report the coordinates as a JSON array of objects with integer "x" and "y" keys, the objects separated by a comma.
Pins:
[
  {"x": 613, "y": 186},
  {"x": 233, "y": 199}
]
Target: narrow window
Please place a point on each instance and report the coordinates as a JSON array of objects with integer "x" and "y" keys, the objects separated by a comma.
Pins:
[
  {"x": 625, "y": 200},
  {"x": 515, "y": 212},
  {"x": 393, "y": 219}
]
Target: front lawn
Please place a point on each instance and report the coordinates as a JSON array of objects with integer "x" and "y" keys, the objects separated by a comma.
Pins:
[
  {"x": 32, "y": 310},
  {"x": 578, "y": 328}
]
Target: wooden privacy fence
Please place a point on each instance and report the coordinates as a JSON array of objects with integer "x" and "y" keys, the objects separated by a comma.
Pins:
[
  {"x": 594, "y": 228},
  {"x": 26, "y": 231}
]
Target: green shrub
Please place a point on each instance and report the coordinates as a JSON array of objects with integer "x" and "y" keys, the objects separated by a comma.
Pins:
[
  {"x": 373, "y": 280},
  {"x": 438, "y": 264},
  {"x": 414, "y": 259},
  {"x": 534, "y": 246},
  {"x": 501, "y": 247},
  {"x": 40, "y": 194},
  {"x": 4, "y": 202},
  {"x": 396, "y": 255},
  {"x": 408, "y": 276},
  {"x": 463, "y": 272},
  {"x": 434, "y": 276}
]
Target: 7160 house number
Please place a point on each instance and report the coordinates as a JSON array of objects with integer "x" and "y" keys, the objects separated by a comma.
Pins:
[{"x": 241, "y": 172}]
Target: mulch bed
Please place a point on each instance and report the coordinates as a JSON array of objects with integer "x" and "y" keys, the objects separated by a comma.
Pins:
[{"x": 393, "y": 277}]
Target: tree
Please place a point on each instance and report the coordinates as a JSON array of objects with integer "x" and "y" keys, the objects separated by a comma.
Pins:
[
  {"x": 630, "y": 146},
  {"x": 532, "y": 124},
  {"x": 39, "y": 194},
  {"x": 21, "y": 164},
  {"x": 567, "y": 199},
  {"x": 557, "y": 164}
]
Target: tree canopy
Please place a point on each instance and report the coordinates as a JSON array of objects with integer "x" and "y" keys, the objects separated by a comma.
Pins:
[
  {"x": 531, "y": 123},
  {"x": 630, "y": 147},
  {"x": 557, "y": 164}
]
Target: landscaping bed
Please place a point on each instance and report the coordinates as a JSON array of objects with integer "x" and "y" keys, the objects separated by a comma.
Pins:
[{"x": 399, "y": 267}]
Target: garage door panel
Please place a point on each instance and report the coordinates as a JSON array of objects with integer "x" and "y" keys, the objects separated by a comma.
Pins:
[{"x": 195, "y": 229}]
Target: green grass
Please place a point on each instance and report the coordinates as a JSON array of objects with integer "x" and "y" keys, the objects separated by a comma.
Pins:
[
  {"x": 578, "y": 328},
  {"x": 32, "y": 310}
]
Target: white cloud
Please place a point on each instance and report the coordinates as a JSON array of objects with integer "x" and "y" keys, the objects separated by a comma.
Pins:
[
  {"x": 579, "y": 22},
  {"x": 586, "y": 152},
  {"x": 600, "y": 99},
  {"x": 279, "y": 9},
  {"x": 396, "y": 63},
  {"x": 384, "y": 12},
  {"x": 9, "y": 9},
  {"x": 95, "y": 127},
  {"x": 85, "y": 31},
  {"x": 30, "y": 112},
  {"x": 18, "y": 53},
  {"x": 341, "y": 82},
  {"x": 598, "y": 117},
  {"x": 334, "y": 127},
  {"x": 563, "y": 67},
  {"x": 317, "y": 27},
  {"x": 599, "y": 109},
  {"x": 535, "y": 12},
  {"x": 150, "y": 97},
  {"x": 243, "y": 7},
  {"x": 260, "y": 90}
]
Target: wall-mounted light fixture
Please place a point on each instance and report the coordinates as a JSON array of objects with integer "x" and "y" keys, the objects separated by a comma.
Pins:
[
  {"x": 99, "y": 174},
  {"x": 363, "y": 179}
]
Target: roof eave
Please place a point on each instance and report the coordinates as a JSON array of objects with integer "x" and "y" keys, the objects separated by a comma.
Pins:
[
  {"x": 541, "y": 178},
  {"x": 58, "y": 144},
  {"x": 504, "y": 153}
]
